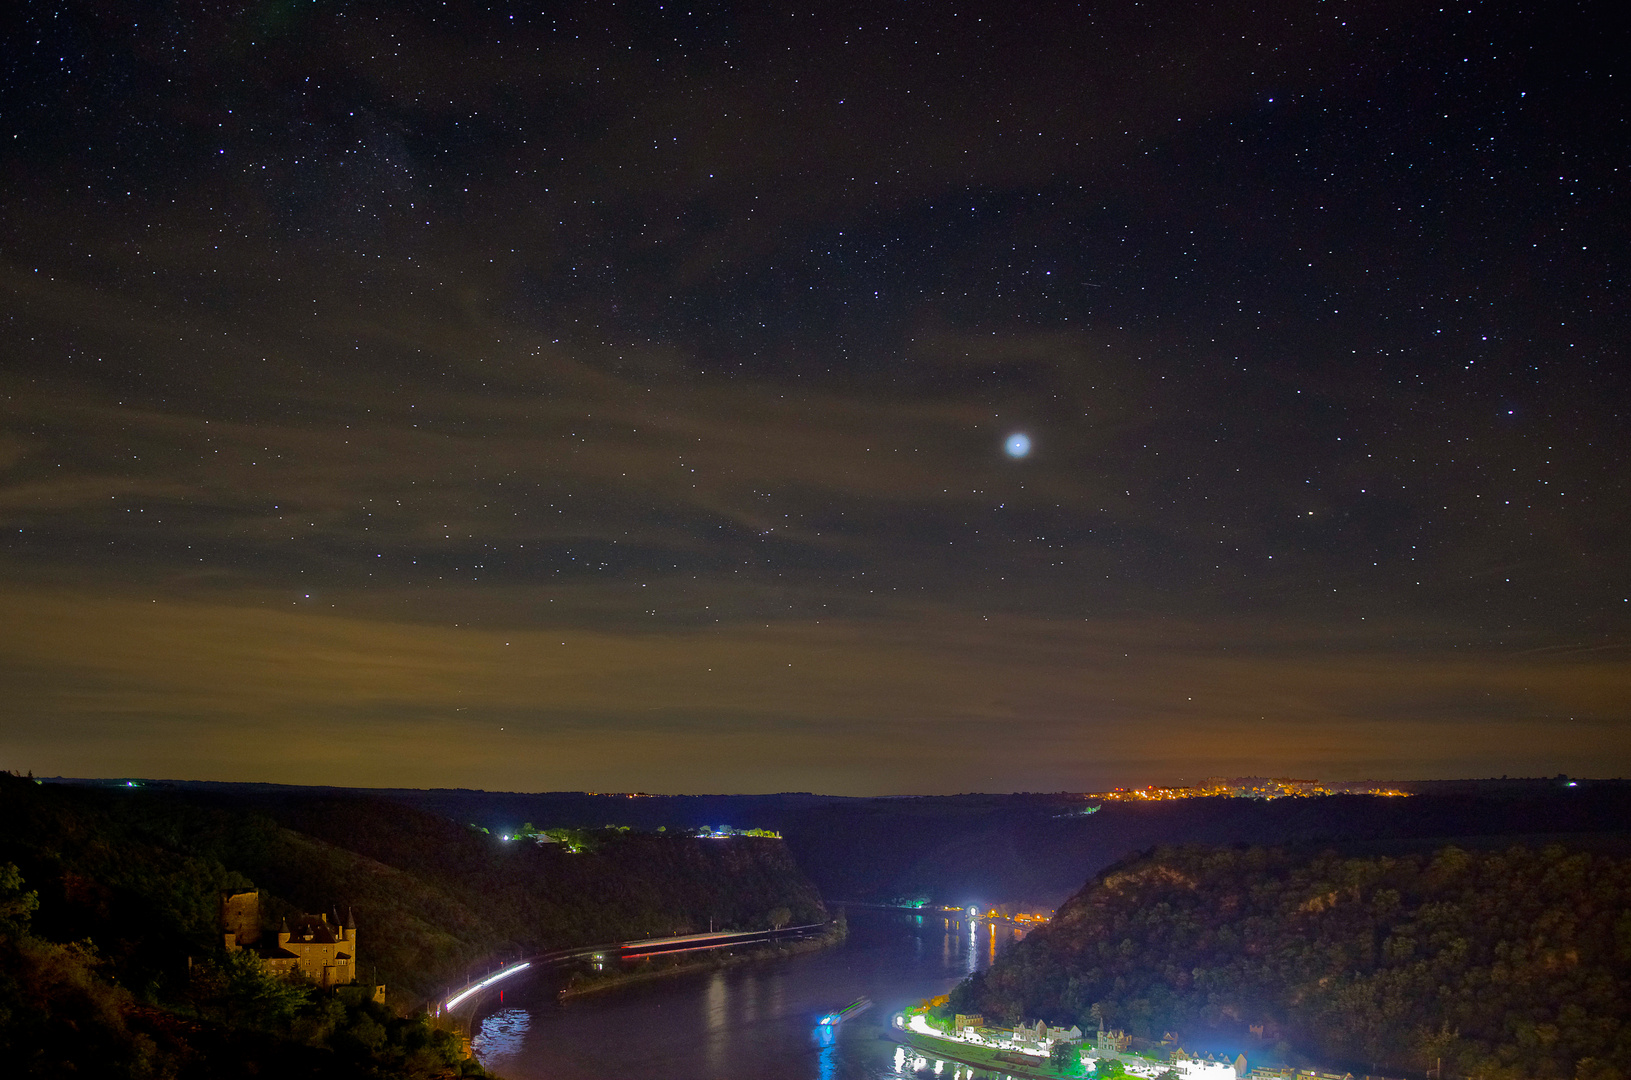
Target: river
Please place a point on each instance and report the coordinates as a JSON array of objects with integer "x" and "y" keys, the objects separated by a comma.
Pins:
[{"x": 754, "y": 1021}]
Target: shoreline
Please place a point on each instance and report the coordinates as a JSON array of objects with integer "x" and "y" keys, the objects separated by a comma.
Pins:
[
  {"x": 581, "y": 984},
  {"x": 966, "y": 1055}
]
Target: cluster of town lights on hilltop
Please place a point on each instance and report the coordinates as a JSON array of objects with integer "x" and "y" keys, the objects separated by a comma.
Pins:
[{"x": 1245, "y": 787}]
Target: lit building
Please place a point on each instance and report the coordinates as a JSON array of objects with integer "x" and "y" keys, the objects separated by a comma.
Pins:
[{"x": 312, "y": 948}]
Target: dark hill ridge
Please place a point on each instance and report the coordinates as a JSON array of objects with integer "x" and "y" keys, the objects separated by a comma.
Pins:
[
  {"x": 1036, "y": 849},
  {"x": 1504, "y": 964},
  {"x": 1040, "y": 849}
]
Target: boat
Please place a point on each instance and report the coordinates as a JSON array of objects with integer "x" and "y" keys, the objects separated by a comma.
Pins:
[{"x": 853, "y": 1009}]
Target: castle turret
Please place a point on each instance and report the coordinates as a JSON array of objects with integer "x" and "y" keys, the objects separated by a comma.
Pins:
[{"x": 241, "y": 918}]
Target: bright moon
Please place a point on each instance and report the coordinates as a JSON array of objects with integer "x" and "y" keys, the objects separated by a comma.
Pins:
[{"x": 1018, "y": 444}]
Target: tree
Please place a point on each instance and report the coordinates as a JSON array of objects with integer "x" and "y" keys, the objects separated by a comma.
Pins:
[
  {"x": 1064, "y": 1055},
  {"x": 16, "y": 904},
  {"x": 239, "y": 989},
  {"x": 779, "y": 917}
]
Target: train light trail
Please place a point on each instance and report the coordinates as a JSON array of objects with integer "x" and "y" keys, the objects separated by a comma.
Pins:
[{"x": 453, "y": 1002}]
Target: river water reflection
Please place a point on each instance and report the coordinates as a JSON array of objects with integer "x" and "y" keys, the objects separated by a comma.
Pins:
[{"x": 756, "y": 1021}]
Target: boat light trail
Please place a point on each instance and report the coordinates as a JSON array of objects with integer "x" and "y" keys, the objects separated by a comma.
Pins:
[{"x": 453, "y": 1002}]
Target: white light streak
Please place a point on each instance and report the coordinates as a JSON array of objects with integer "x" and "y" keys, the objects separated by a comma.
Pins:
[{"x": 453, "y": 1002}]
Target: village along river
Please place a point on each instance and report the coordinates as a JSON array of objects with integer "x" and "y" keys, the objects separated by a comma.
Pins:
[{"x": 753, "y": 1021}]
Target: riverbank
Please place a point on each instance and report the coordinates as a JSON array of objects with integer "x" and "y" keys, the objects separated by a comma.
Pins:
[
  {"x": 593, "y": 982},
  {"x": 982, "y": 1057}
]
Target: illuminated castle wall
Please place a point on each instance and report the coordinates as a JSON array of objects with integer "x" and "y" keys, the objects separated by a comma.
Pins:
[{"x": 312, "y": 947}]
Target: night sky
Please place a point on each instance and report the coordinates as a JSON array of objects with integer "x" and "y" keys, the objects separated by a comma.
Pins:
[{"x": 614, "y": 396}]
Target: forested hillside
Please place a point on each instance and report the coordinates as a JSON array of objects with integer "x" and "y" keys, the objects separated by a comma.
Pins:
[
  {"x": 117, "y": 891},
  {"x": 142, "y": 869},
  {"x": 111, "y": 966},
  {"x": 1514, "y": 964},
  {"x": 429, "y": 894}
]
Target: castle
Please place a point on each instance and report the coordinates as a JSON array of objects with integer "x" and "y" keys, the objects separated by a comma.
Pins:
[{"x": 313, "y": 948}]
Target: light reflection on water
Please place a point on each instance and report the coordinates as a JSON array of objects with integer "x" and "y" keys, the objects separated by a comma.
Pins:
[
  {"x": 718, "y": 1040},
  {"x": 501, "y": 1033},
  {"x": 756, "y": 1020},
  {"x": 827, "y": 1060},
  {"x": 914, "y": 1064}
]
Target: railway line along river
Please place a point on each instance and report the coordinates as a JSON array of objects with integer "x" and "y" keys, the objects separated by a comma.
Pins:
[{"x": 752, "y": 1021}]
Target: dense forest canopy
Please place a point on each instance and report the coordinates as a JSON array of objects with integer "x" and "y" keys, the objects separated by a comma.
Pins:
[{"x": 1512, "y": 964}]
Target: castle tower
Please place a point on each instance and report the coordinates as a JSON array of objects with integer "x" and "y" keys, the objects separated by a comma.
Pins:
[{"x": 241, "y": 918}]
